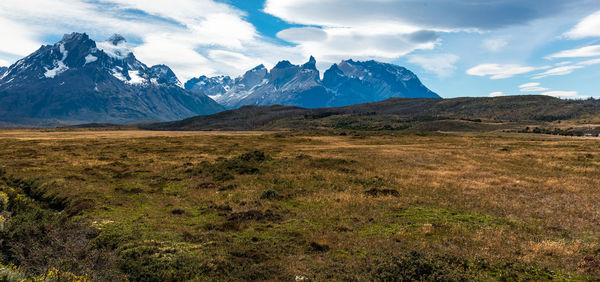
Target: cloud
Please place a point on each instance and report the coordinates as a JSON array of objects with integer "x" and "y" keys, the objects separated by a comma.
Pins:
[
  {"x": 388, "y": 29},
  {"x": 531, "y": 87},
  {"x": 588, "y": 27},
  {"x": 563, "y": 70},
  {"x": 497, "y": 71},
  {"x": 495, "y": 44},
  {"x": 587, "y": 51},
  {"x": 566, "y": 68},
  {"x": 332, "y": 44},
  {"x": 302, "y": 34},
  {"x": 178, "y": 33},
  {"x": 4, "y": 63},
  {"x": 440, "y": 64},
  {"x": 496, "y": 94},
  {"x": 563, "y": 63},
  {"x": 435, "y": 14},
  {"x": 589, "y": 62},
  {"x": 563, "y": 94},
  {"x": 17, "y": 38}
]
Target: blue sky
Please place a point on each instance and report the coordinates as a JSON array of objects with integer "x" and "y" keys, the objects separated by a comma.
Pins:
[{"x": 457, "y": 47}]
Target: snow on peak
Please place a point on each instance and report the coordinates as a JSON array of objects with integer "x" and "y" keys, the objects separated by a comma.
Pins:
[
  {"x": 116, "y": 47},
  {"x": 58, "y": 65},
  {"x": 135, "y": 78}
]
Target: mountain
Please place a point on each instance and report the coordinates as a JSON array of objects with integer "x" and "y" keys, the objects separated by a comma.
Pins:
[
  {"x": 80, "y": 81},
  {"x": 343, "y": 84},
  {"x": 211, "y": 86},
  {"x": 2, "y": 70},
  {"x": 485, "y": 113},
  {"x": 362, "y": 82}
]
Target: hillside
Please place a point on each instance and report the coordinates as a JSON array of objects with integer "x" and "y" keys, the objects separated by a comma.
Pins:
[{"x": 393, "y": 113}]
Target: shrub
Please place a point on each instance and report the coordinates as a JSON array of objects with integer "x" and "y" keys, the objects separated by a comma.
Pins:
[{"x": 270, "y": 195}]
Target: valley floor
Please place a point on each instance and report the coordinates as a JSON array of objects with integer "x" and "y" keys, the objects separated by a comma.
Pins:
[{"x": 170, "y": 206}]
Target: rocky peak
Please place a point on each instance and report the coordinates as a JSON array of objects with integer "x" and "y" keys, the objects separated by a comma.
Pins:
[
  {"x": 162, "y": 74},
  {"x": 116, "y": 39},
  {"x": 311, "y": 64}
]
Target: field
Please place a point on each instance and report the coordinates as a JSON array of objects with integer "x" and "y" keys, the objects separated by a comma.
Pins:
[{"x": 315, "y": 205}]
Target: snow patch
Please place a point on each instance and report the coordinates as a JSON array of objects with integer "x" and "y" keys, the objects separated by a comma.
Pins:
[
  {"x": 59, "y": 66},
  {"x": 90, "y": 59},
  {"x": 216, "y": 97},
  {"x": 116, "y": 73},
  {"x": 136, "y": 78}
]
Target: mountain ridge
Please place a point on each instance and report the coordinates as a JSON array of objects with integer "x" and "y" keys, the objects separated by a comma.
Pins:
[
  {"x": 349, "y": 82},
  {"x": 79, "y": 81}
]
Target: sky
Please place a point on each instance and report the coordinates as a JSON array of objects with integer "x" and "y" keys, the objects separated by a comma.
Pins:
[{"x": 457, "y": 47}]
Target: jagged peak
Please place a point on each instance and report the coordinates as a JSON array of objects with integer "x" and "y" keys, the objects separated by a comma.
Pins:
[
  {"x": 311, "y": 64},
  {"x": 259, "y": 67},
  {"x": 283, "y": 64},
  {"x": 116, "y": 39},
  {"x": 75, "y": 36},
  {"x": 161, "y": 67}
]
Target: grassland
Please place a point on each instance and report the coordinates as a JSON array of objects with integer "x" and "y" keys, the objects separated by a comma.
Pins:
[{"x": 386, "y": 205}]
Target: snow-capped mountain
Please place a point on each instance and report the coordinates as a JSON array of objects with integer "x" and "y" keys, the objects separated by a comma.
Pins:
[
  {"x": 210, "y": 86},
  {"x": 78, "y": 81},
  {"x": 355, "y": 82},
  {"x": 2, "y": 70},
  {"x": 346, "y": 83}
]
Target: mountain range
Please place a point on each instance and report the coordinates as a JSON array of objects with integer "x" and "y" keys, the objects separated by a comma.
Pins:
[
  {"x": 347, "y": 83},
  {"x": 78, "y": 80}
]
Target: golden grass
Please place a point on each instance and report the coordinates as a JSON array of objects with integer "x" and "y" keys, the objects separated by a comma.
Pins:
[{"x": 520, "y": 198}]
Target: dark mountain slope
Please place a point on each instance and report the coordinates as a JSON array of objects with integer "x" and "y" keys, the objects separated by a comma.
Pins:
[{"x": 509, "y": 108}]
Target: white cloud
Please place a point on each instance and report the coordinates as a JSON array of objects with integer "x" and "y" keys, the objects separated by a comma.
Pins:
[
  {"x": 532, "y": 84},
  {"x": 587, "y": 51},
  {"x": 17, "y": 38},
  {"x": 436, "y": 14},
  {"x": 563, "y": 94},
  {"x": 563, "y": 70},
  {"x": 496, "y": 94},
  {"x": 4, "y": 63},
  {"x": 302, "y": 34},
  {"x": 332, "y": 44},
  {"x": 495, "y": 44},
  {"x": 497, "y": 71},
  {"x": 531, "y": 87},
  {"x": 177, "y": 33},
  {"x": 588, "y": 27},
  {"x": 589, "y": 62},
  {"x": 563, "y": 63},
  {"x": 440, "y": 64}
]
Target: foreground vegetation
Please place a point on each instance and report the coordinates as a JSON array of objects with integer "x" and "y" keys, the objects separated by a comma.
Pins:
[{"x": 321, "y": 205}]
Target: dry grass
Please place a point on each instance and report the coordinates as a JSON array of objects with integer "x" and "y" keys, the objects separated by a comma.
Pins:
[{"x": 524, "y": 199}]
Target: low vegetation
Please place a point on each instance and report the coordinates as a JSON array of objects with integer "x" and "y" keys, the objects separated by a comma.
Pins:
[{"x": 337, "y": 204}]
